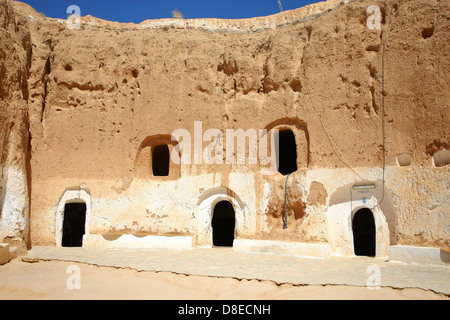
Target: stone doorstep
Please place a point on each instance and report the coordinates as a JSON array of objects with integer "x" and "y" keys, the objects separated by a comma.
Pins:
[
  {"x": 5, "y": 253},
  {"x": 131, "y": 241},
  {"x": 279, "y": 247},
  {"x": 421, "y": 255},
  {"x": 408, "y": 254}
]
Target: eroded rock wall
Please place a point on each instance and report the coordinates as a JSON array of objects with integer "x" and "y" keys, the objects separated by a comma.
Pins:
[
  {"x": 15, "y": 61},
  {"x": 100, "y": 97}
]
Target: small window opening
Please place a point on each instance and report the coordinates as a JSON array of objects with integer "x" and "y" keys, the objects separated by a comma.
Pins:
[
  {"x": 404, "y": 160},
  {"x": 441, "y": 158},
  {"x": 160, "y": 161},
  {"x": 364, "y": 237},
  {"x": 223, "y": 224},
  {"x": 287, "y": 149},
  {"x": 427, "y": 32},
  {"x": 74, "y": 224}
]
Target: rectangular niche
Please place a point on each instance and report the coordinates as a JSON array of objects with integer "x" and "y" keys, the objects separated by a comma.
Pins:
[{"x": 404, "y": 160}]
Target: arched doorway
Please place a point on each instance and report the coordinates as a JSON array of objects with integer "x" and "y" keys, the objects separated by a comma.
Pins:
[
  {"x": 223, "y": 224},
  {"x": 74, "y": 224},
  {"x": 364, "y": 233}
]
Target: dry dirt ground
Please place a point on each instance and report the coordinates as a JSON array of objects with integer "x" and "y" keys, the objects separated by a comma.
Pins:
[{"x": 48, "y": 280}]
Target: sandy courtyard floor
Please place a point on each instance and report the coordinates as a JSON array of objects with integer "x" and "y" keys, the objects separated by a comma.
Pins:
[{"x": 51, "y": 280}]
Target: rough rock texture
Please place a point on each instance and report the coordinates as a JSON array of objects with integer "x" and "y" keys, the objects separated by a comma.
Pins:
[
  {"x": 94, "y": 102},
  {"x": 15, "y": 62}
]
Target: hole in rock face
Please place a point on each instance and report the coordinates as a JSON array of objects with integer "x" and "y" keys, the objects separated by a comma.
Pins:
[
  {"x": 223, "y": 224},
  {"x": 427, "y": 32},
  {"x": 160, "y": 161},
  {"x": 404, "y": 160},
  {"x": 364, "y": 236},
  {"x": 74, "y": 224},
  {"x": 373, "y": 48},
  {"x": 287, "y": 148},
  {"x": 441, "y": 158},
  {"x": 296, "y": 85}
]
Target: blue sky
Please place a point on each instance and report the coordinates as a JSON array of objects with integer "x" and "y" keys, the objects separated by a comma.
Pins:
[{"x": 140, "y": 10}]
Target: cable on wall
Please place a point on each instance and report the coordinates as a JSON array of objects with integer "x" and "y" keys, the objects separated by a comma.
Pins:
[{"x": 383, "y": 94}]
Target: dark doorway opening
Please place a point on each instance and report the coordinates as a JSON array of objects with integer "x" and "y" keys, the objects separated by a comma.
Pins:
[
  {"x": 160, "y": 161},
  {"x": 364, "y": 235},
  {"x": 74, "y": 224},
  {"x": 287, "y": 151},
  {"x": 223, "y": 224}
]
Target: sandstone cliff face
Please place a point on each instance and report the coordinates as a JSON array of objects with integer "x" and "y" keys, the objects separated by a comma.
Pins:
[
  {"x": 15, "y": 60},
  {"x": 99, "y": 98}
]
